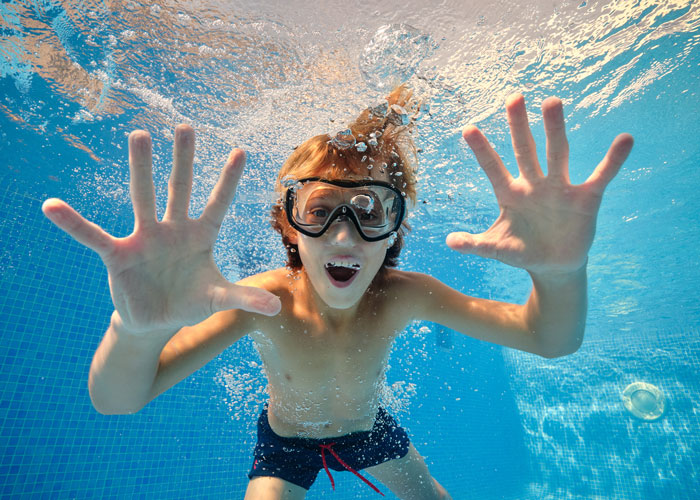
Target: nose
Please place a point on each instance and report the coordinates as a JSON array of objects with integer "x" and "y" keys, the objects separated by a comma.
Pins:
[{"x": 342, "y": 231}]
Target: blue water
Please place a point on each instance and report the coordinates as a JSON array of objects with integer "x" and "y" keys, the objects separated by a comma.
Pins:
[{"x": 493, "y": 423}]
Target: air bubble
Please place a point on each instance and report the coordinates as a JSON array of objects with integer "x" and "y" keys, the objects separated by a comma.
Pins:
[
  {"x": 288, "y": 181},
  {"x": 379, "y": 109},
  {"x": 394, "y": 54},
  {"x": 343, "y": 139},
  {"x": 397, "y": 116}
]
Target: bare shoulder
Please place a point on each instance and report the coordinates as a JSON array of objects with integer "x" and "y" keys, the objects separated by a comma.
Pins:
[
  {"x": 274, "y": 281},
  {"x": 410, "y": 291},
  {"x": 425, "y": 297},
  {"x": 408, "y": 283},
  {"x": 403, "y": 278}
]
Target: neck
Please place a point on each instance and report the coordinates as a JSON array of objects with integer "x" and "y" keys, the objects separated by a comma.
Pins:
[{"x": 331, "y": 317}]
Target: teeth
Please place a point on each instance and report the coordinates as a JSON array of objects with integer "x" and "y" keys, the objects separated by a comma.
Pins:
[{"x": 344, "y": 263}]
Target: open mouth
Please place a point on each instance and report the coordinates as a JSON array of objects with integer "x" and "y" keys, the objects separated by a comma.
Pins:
[{"x": 342, "y": 272}]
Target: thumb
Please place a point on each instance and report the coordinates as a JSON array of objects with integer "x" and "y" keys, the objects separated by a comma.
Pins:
[
  {"x": 467, "y": 243},
  {"x": 248, "y": 298}
]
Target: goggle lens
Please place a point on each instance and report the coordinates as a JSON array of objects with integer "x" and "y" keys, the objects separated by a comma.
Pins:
[{"x": 375, "y": 207}]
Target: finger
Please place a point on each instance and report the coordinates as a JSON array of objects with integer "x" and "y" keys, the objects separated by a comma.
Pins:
[
  {"x": 523, "y": 143},
  {"x": 225, "y": 189},
  {"x": 610, "y": 166},
  {"x": 84, "y": 232},
  {"x": 143, "y": 194},
  {"x": 248, "y": 298},
  {"x": 557, "y": 144},
  {"x": 487, "y": 158},
  {"x": 180, "y": 183},
  {"x": 469, "y": 243}
]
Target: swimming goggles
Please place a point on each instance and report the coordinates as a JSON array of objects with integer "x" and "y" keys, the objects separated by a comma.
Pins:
[{"x": 375, "y": 207}]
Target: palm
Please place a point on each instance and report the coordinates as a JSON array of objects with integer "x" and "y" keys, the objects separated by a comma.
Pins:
[
  {"x": 546, "y": 224},
  {"x": 148, "y": 266},
  {"x": 163, "y": 275},
  {"x": 543, "y": 224}
]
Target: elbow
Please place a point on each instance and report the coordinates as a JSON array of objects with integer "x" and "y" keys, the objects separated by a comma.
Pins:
[
  {"x": 103, "y": 410},
  {"x": 560, "y": 353},
  {"x": 108, "y": 407},
  {"x": 559, "y": 343},
  {"x": 555, "y": 355}
]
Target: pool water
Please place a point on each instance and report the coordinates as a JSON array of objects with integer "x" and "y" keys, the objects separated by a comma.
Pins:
[{"x": 492, "y": 423}]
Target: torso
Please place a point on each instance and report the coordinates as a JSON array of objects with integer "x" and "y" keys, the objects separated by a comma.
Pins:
[{"x": 324, "y": 380}]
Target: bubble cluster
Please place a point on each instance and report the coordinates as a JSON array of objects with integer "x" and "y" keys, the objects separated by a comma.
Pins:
[
  {"x": 343, "y": 140},
  {"x": 394, "y": 54}
]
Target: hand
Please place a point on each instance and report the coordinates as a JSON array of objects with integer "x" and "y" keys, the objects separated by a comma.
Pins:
[
  {"x": 546, "y": 224},
  {"x": 163, "y": 275}
]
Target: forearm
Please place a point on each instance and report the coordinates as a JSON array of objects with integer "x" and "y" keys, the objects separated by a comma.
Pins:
[
  {"x": 556, "y": 311},
  {"x": 124, "y": 368}
]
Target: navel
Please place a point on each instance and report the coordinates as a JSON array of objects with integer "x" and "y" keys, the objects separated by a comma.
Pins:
[{"x": 288, "y": 376}]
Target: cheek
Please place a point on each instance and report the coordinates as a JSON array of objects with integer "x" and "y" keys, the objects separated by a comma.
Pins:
[
  {"x": 305, "y": 248},
  {"x": 301, "y": 249},
  {"x": 379, "y": 252}
]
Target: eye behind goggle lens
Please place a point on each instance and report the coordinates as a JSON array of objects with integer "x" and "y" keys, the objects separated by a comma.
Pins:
[{"x": 375, "y": 209}]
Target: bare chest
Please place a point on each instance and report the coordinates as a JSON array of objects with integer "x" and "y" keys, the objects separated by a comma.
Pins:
[
  {"x": 325, "y": 381},
  {"x": 307, "y": 359}
]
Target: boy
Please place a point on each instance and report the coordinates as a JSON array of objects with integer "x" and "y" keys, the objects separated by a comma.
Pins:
[{"x": 324, "y": 330}]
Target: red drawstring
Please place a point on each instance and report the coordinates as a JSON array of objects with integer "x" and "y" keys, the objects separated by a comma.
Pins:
[{"x": 328, "y": 447}]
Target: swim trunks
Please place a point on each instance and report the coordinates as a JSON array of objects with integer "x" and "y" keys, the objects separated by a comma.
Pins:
[{"x": 299, "y": 460}]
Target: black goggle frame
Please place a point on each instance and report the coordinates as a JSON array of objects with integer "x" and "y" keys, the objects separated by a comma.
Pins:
[{"x": 344, "y": 210}]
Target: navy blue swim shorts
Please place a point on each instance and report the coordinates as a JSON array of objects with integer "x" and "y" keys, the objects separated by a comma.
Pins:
[{"x": 299, "y": 460}]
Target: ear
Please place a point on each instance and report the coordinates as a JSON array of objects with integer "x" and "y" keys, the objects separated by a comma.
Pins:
[{"x": 293, "y": 236}]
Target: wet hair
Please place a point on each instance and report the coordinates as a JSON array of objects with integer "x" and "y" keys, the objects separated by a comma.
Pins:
[{"x": 386, "y": 132}]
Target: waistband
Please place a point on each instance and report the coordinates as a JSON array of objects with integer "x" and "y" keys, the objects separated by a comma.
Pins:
[{"x": 338, "y": 440}]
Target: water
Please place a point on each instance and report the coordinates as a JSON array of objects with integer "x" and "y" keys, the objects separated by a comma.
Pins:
[{"x": 77, "y": 77}]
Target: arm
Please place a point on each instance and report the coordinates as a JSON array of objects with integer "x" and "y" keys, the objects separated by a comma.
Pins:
[
  {"x": 550, "y": 324},
  {"x": 124, "y": 369},
  {"x": 556, "y": 312},
  {"x": 163, "y": 277},
  {"x": 546, "y": 226},
  {"x": 128, "y": 371}
]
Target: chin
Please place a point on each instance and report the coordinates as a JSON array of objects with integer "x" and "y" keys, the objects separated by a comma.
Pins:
[{"x": 340, "y": 302}]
